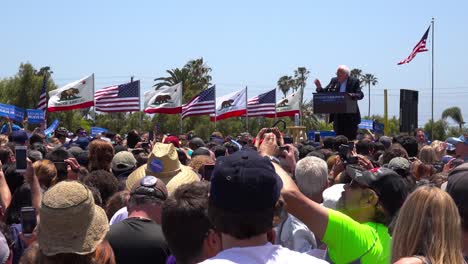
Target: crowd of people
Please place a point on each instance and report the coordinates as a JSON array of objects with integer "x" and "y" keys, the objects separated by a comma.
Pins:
[{"x": 154, "y": 198}]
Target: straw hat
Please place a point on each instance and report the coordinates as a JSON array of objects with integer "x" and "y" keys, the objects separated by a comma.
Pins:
[
  {"x": 70, "y": 220},
  {"x": 163, "y": 163}
]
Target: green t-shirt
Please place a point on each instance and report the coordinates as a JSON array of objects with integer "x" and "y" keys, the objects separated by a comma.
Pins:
[{"x": 349, "y": 241}]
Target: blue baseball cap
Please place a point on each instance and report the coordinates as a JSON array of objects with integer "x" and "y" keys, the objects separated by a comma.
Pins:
[{"x": 245, "y": 182}]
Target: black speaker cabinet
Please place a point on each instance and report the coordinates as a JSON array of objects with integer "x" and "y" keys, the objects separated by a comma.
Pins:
[{"x": 408, "y": 111}]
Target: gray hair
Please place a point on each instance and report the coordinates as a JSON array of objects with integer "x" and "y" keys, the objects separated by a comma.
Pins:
[
  {"x": 345, "y": 69},
  {"x": 311, "y": 176}
]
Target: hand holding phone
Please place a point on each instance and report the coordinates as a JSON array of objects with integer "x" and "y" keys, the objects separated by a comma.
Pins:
[
  {"x": 21, "y": 156},
  {"x": 28, "y": 220}
]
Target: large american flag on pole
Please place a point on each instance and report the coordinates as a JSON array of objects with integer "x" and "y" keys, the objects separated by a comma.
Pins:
[
  {"x": 42, "y": 104},
  {"x": 202, "y": 104},
  {"x": 118, "y": 98},
  {"x": 263, "y": 104},
  {"x": 420, "y": 47}
]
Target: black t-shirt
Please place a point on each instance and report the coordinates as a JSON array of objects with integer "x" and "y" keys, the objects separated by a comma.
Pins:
[{"x": 136, "y": 240}]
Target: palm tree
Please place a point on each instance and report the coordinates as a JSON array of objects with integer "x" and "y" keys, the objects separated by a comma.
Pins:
[
  {"x": 369, "y": 79},
  {"x": 301, "y": 75},
  {"x": 356, "y": 73},
  {"x": 175, "y": 76},
  {"x": 285, "y": 84},
  {"x": 455, "y": 114}
]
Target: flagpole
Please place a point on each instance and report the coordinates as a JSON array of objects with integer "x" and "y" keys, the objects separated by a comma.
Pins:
[
  {"x": 215, "y": 107},
  {"x": 432, "y": 83},
  {"x": 246, "y": 112},
  {"x": 181, "y": 101},
  {"x": 94, "y": 101}
]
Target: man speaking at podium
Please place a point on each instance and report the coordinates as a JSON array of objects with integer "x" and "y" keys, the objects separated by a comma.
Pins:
[{"x": 344, "y": 124}]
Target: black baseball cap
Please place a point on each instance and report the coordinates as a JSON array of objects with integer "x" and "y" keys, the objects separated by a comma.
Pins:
[
  {"x": 388, "y": 185},
  {"x": 245, "y": 182}
]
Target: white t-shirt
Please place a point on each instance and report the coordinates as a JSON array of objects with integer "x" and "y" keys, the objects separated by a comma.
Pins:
[
  {"x": 266, "y": 254},
  {"x": 119, "y": 216}
]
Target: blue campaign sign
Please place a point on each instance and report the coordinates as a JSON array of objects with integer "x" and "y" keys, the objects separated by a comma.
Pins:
[
  {"x": 52, "y": 127},
  {"x": 378, "y": 127},
  {"x": 35, "y": 116},
  {"x": 12, "y": 112},
  {"x": 97, "y": 130},
  {"x": 325, "y": 133},
  {"x": 366, "y": 124}
]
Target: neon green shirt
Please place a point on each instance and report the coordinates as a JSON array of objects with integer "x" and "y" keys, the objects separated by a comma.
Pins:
[{"x": 350, "y": 242}]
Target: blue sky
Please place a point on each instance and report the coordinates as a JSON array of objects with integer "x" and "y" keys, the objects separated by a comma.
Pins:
[{"x": 246, "y": 43}]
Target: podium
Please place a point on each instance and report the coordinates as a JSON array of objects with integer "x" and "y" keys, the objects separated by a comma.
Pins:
[{"x": 332, "y": 103}]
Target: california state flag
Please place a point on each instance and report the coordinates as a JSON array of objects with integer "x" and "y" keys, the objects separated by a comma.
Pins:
[
  {"x": 167, "y": 100},
  {"x": 231, "y": 105},
  {"x": 75, "y": 95},
  {"x": 288, "y": 106}
]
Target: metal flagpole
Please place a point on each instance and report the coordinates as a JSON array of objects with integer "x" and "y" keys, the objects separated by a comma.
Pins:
[
  {"x": 181, "y": 119},
  {"x": 215, "y": 106},
  {"x": 94, "y": 102},
  {"x": 432, "y": 84},
  {"x": 246, "y": 112}
]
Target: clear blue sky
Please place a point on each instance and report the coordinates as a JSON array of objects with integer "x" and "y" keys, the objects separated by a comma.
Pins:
[{"x": 249, "y": 43}]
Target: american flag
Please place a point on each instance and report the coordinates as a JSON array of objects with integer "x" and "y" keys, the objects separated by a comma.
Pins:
[
  {"x": 119, "y": 98},
  {"x": 420, "y": 47},
  {"x": 263, "y": 104},
  {"x": 202, "y": 104},
  {"x": 42, "y": 104}
]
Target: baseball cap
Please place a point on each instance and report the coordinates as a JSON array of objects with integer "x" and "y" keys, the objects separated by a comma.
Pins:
[
  {"x": 19, "y": 137},
  {"x": 151, "y": 187},
  {"x": 123, "y": 161},
  {"x": 172, "y": 139},
  {"x": 399, "y": 164},
  {"x": 457, "y": 188},
  {"x": 389, "y": 186},
  {"x": 244, "y": 182}
]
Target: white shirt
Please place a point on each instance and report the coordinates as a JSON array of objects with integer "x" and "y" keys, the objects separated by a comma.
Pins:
[
  {"x": 266, "y": 254},
  {"x": 343, "y": 86},
  {"x": 119, "y": 216},
  {"x": 295, "y": 235}
]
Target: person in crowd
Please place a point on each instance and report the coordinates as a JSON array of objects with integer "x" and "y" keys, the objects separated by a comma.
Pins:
[
  {"x": 61, "y": 134},
  {"x": 116, "y": 201},
  {"x": 71, "y": 226},
  {"x": 187, "y": 228},
  {"x": 396, "y": 150},
  {"x": 46, "y": 173},
  {"x": 123, "y": 164},
  {"x": 133, "y": 137},
  {"x": 344, "y": 124},
  {"x": 369, "y": 202},
  {"x": 243, "y": 194},
  {"x": 58, "y": 156},
  {"x": 409, "y": 143},
  {"x": 457, "y": 188},
  {"x": 440, "y": 148},
  {"x": 312, "y": 179},
  {"x": 104, "y": 182},
  {"x": 196, "y": 143},
  {"x": 434, "y": 236},
  {"x": 139, "y": 238},
  {"x": 421, "y": 137},
  {"x": 101, "y": 154},
  {"x": 427, "y": 155},
  {"x": 163, "y": 163}
]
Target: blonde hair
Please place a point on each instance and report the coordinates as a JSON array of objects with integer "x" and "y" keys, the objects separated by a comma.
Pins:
[
  {"x": 436, "y": 146},
  {"x": 46, "y": 172},
  {"x": 3, "y": 140},
  {"x": 428, "y": 224},
  {"x": 427, "y": 155},
  {"x": 198, "y": 161}
]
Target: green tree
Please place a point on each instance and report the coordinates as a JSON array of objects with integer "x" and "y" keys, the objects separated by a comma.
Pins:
[
  {"x": 285, "y": 84},
  {"x": 455, "y": 114},
  {"x": 440, "y": 127},
  {"x": 356, "y": 73},
  {"x": 369, "y": 80}
]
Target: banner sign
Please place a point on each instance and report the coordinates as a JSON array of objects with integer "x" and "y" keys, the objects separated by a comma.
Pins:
[
  {"x": 35, "y": 116},
  {"x": 97, "y": 130},
  {"x": 13, "y": 112},
  {"x": 52, "y": 127},
  {"x": 325, "y": 133},
  {"x": 366, "y": 124}
]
